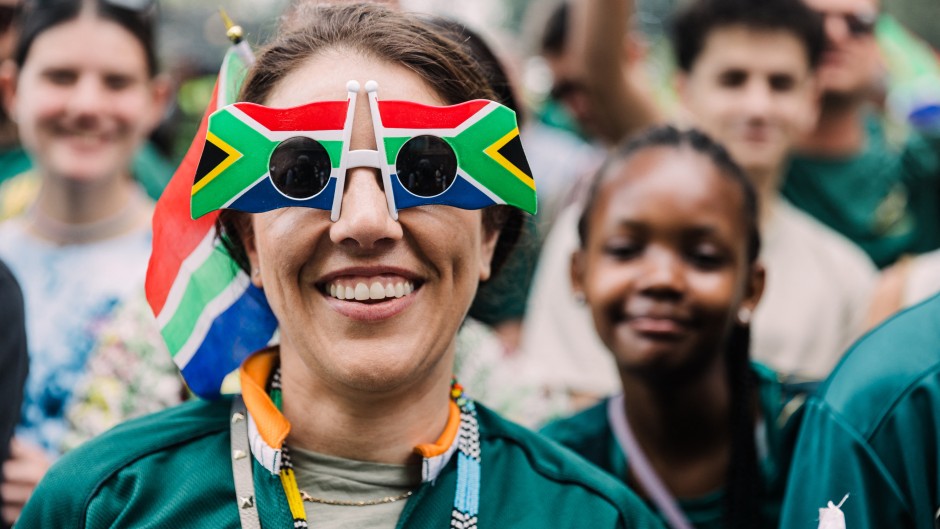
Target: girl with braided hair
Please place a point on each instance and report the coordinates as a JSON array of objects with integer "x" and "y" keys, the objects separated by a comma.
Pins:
[{"x": 668, "y": 267}]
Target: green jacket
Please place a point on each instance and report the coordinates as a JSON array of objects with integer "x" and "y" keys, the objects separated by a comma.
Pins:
[
  {"x": 590, "y": 435},
  {"x": 873, "y": 431},
  {"x": 885, "y": 200},
  {"x": 173, "y": 469}
]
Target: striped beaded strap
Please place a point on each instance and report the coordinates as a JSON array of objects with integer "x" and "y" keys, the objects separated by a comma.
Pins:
[
  {"x": 467, "y": 497},
  {"x": 288, "y": 479}
]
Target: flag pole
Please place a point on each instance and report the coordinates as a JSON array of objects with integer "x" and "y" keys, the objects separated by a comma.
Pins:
[{"x": 236, "y": 34}]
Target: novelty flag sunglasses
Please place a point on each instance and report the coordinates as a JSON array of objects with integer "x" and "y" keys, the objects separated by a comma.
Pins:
[{"x": 257, "y": 158}]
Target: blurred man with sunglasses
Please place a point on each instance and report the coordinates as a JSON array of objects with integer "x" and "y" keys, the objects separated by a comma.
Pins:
[{"x": 885, "y": 199}]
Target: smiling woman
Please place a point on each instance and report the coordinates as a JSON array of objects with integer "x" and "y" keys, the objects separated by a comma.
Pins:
[{"x": 354, "y": 418}]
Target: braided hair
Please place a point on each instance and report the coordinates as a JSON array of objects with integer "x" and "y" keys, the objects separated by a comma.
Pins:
[{"x": 744, "y": 487}]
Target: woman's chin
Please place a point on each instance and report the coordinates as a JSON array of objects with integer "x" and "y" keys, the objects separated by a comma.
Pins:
[
  {"x": 374, "y": 368},
  {"x": 86, "y": 174}
]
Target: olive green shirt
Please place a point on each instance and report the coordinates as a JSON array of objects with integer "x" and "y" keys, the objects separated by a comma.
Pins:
[{"x": 335, "y": 478}]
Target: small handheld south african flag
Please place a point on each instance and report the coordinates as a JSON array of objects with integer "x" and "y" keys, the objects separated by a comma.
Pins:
[{"x": 209, "y": 313}]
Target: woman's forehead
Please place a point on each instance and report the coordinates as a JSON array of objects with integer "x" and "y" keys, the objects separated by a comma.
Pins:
[
  {"x": 323, "y": 77},
  {"x": 666, "y": 180}
]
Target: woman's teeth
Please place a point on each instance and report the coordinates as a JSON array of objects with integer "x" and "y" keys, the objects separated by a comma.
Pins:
[{"x": 378, "y": 290}]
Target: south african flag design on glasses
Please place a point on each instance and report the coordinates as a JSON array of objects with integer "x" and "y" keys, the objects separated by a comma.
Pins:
[
  {"x": 258, "y": 158},
  {"x": 483, "y": 136},
  {"x": 234, "y": 170}
]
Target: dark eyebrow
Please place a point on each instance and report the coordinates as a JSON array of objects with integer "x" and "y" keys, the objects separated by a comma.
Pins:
[
  {"x": 736, "y": 74},
  {"x": 701, "y": 232},
  {"x": 695, "y": 231}
]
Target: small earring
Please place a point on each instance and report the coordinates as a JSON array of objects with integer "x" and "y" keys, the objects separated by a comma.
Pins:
[
  {"x": 744, "y": 315},
  {"x": 256, "y": 272},
  {"x": 580, "y": 298}
]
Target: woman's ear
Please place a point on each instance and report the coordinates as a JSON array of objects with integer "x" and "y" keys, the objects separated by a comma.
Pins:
[
  {"x": 160, "y": 90},
  {"x": 8, "y": 76},
  {"x": 576, "y": 271},
  {"x": 753, "y": 292},
  {"x": 814, "y": 104},
  {"x": 242, "y": 223},
  {"x": 487, "y": 249}
]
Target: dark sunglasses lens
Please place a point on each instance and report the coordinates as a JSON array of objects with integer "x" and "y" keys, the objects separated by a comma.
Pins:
[
  {"x": 564, "y": 89},
  {"x": 300, "y": 167},
  {"x": 132, "y": 5},
  {"x": 860, "y": 25},
  {"x": 426, "y": 165}
]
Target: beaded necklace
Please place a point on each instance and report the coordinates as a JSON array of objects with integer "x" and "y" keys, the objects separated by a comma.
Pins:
[{"x": 467, "y": 496}]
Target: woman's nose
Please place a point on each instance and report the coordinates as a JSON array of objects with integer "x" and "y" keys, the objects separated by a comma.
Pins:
[
  {"x": 87, "y": 97},
  {"x": 662, "y": 274},
  {"x": 364, "y": 220},
  {"x": 836, "y": 28}
]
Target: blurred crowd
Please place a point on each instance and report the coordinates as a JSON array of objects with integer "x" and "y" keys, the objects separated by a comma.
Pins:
[{"x": 712, "y": 307}]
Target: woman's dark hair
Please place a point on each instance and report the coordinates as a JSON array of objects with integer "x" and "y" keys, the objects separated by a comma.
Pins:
[
  {"x": 37, "y": 16},
  {"x": 375, "y": 31},
  {"x": 478, "y": 48},
  {"x": 744, "y": 485},
  {"x": 503, "y": 297}
]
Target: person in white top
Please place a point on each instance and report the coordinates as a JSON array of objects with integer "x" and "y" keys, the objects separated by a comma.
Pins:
[{"x": 84, "y": 90}]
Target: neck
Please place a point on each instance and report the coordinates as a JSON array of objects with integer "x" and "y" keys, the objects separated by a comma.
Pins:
[
  {"x": 68, "y": 212},
  {"x": 75, "y": 202},
  {"x": 680, "y": 420},
  {"x": 382, "y": 426},
  {"x": 683, "y": 428},
  {"x": 9, "y": 139},
  {"x": 840, "y": 131},
  {"x": 767, "y": 185}
]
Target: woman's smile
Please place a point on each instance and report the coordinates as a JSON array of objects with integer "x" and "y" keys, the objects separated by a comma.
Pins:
[
  {"x": 370, "y": 294},
  {"x": 373, "y": 309},
  {"x": 369, "y": 289},
  {"x": 658, "y": 320},
  {"x": 658, "y": 327}
]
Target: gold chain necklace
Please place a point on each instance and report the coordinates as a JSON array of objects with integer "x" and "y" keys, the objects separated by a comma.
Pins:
[{"x": 344, "y": 503}]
